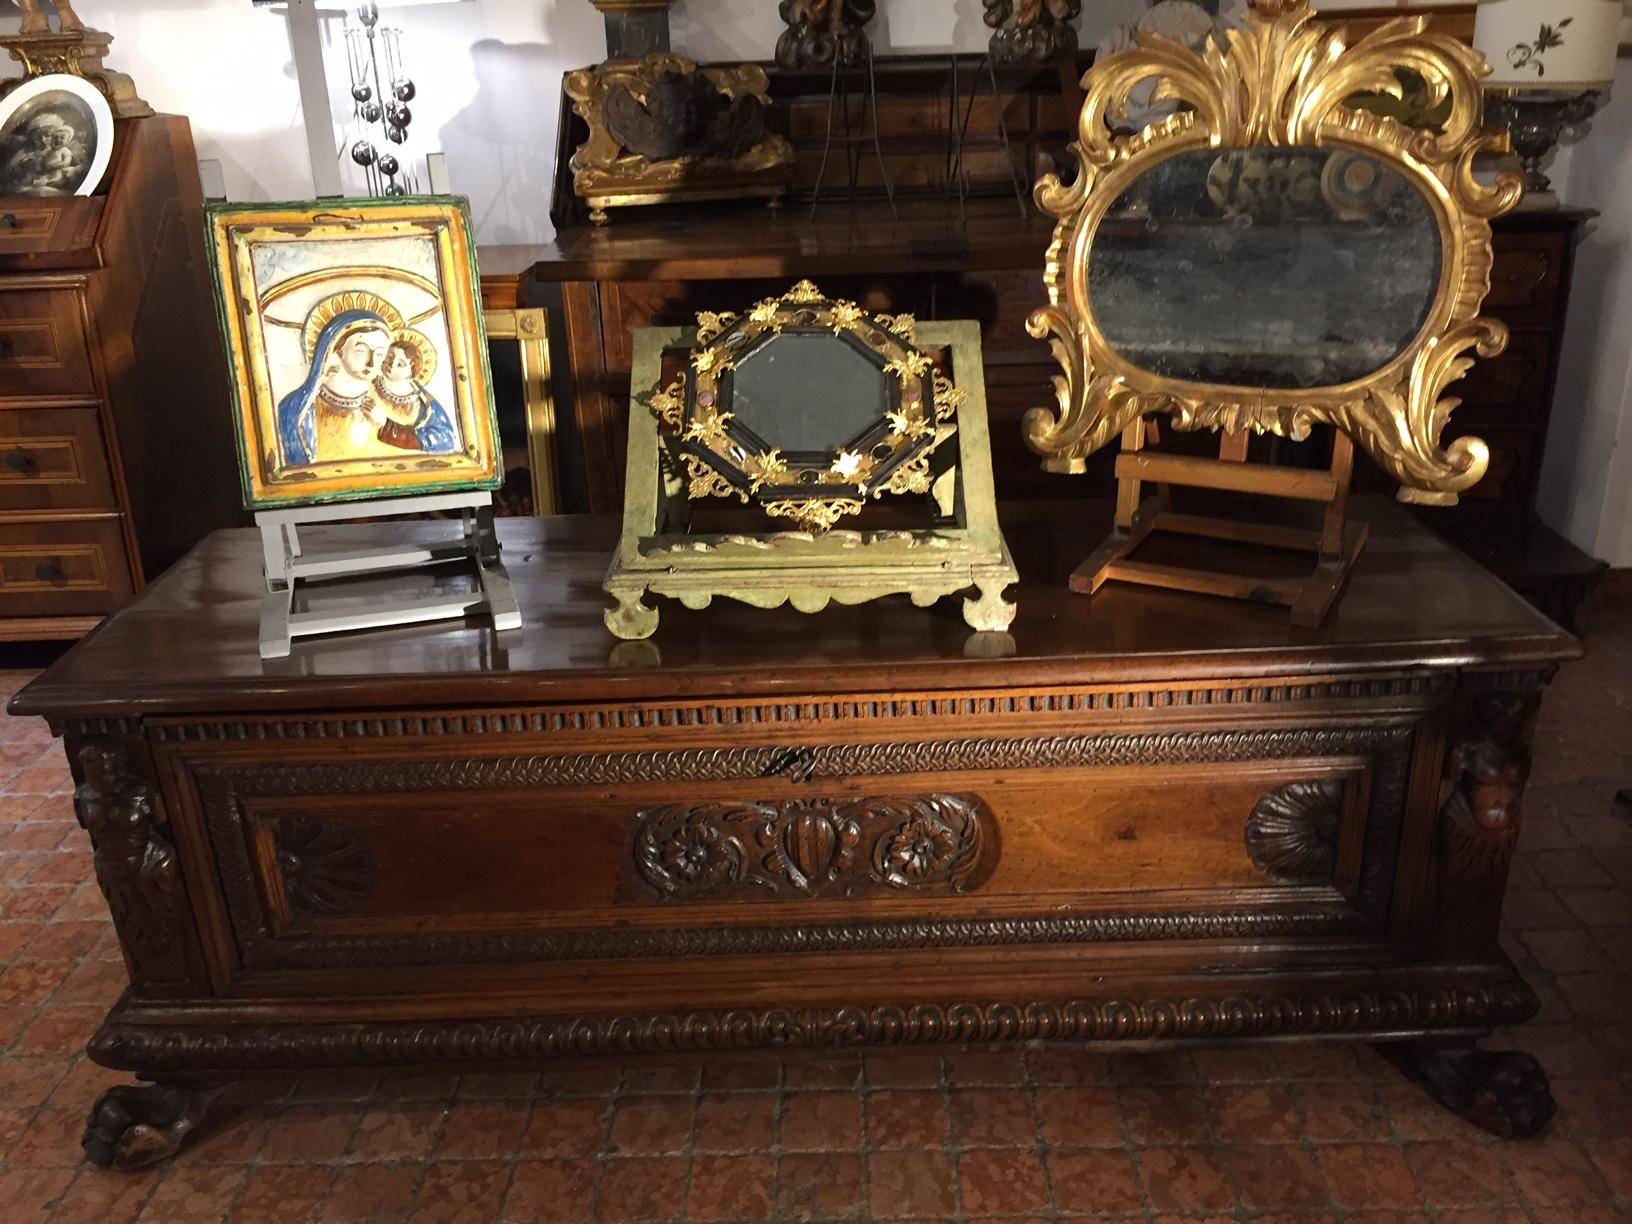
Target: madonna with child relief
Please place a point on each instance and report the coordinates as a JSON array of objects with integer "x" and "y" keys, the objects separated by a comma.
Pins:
[
  {"x": 365, "y": 396},
  {"x": 358, "y": 349}
]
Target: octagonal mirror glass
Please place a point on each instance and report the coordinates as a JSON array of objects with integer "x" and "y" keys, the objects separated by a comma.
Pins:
[
  {"x": 1276, "y": 268},
  {"x": 811, "y": 394}
]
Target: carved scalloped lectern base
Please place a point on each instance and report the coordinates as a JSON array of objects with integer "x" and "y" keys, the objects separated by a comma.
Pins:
[
  {"x": 1502, "y": 1091},
  {"x": 135, "y": 1125}
]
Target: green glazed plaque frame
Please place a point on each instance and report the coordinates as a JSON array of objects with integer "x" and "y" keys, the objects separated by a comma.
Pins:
[{"x": 808, "y": 569}]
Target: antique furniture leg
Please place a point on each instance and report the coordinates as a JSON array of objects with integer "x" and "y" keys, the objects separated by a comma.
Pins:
[
  {"x": 1502, "y": 1091},
  {"x": 633, "y": 618},
  {"x": 990, "y": 611},
  {"x": 1486, "y": 766},
  {"x": 135, "y": 1125}
]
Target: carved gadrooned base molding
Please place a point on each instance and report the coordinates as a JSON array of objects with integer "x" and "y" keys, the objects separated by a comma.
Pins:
[
  {"x": 132, "y": 1126},
  {"x": 1502, "y": 1091},
  {"x": 223, "y": 1048}
]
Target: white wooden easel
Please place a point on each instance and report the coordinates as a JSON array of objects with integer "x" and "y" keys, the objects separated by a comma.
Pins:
[{"x": 287, "y": 564}]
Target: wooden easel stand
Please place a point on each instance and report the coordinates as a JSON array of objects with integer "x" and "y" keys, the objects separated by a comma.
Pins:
[{"x": 1337, "y": 544}]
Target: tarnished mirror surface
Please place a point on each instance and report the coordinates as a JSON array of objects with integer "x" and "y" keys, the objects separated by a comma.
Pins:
[
  {"x": 810, "y": 392},
  {"x": 1280, "y": 268}
]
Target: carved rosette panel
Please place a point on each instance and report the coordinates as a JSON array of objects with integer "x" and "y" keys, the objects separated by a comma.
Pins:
[
  {"x": 135, "y": 863},
  {"x": 936, "y": 844},
  {"x": 1292, "y": 832},
  {"x": 325, "y": 867}
]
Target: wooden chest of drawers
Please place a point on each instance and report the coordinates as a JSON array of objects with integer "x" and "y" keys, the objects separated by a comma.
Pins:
[
  {"x": 115, "y": 447},
  {"x": 1144, "y": 817}
]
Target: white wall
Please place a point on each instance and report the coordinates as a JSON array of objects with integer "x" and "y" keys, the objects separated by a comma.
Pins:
[
  {"x": 1586, "y": 484},
  {"x": 489, "y": 78},
  {"x": 488, "y": 74}
]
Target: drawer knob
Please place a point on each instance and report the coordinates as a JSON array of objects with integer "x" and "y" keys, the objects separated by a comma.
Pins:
[
  {"x": 8, "y": 220},
  {"x": 20, "y": 460},
  {"x": 49, "y": 571}
]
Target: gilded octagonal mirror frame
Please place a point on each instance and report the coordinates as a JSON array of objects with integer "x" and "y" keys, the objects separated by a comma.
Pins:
[
  {"x": 724, "y": 457},
  {"x": 1283, "y": 81}
]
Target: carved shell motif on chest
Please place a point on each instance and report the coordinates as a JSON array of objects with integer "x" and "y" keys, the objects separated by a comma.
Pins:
[{"x": 822, "y": 847}]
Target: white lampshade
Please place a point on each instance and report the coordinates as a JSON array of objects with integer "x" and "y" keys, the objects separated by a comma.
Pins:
[{"x": 1548, "y": 44}]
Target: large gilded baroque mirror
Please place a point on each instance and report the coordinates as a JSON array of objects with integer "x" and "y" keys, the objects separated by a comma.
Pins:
[{"x": 1266, "y": 255}]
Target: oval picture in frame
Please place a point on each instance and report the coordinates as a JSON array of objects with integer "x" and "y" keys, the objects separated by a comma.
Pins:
[{"x": 56, "y": 137}]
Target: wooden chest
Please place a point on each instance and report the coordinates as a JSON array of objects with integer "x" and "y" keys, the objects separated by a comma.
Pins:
[{"x": 1142, "y": 817}]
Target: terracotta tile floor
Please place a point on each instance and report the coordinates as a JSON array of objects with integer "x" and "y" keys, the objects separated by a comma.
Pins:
[{"x": 1297, "y": 1133}]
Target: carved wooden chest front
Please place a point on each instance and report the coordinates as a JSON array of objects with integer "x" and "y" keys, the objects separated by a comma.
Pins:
[{"x": 847, "y": 843}]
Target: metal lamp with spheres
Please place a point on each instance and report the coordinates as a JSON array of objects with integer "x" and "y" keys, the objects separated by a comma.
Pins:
[
  {"x": 381, "y": 99},
  {"x": 1551, "y": 61}
]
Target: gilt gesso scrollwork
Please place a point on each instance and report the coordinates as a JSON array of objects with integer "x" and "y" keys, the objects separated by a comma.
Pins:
[
  {"x": 1283, "y": 81},
  {"x": 927, "y": 844}
]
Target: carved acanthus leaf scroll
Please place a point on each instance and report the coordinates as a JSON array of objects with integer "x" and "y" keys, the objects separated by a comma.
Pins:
[{"x": 938, "y": 844}]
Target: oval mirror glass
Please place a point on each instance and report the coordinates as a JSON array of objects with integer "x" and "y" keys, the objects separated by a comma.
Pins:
[{"x": 1277, "y": 268}]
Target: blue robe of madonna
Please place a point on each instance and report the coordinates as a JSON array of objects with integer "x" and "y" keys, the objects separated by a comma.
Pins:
[{"x": 297, "y": 411}]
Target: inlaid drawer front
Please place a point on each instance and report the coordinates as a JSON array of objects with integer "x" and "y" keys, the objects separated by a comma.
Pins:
[
  {"x": 1526, "y": 277},
  {"x": 746, "y": 849},
  {"x": 53, "y": 458},
  {"x": 63, "y": 224},
  {"x": 1511, "y": 387},
  {"x": 42, "y": 344},
  {"x": 67, "y": 568}
]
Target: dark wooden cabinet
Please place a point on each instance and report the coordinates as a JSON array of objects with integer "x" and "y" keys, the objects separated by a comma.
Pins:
[
  {"x": 1508, "y": 400},
  {"x": 988, "y": 267},
  {"x": 116, "y": 451},
  {"x": 1148, "y": 817}
]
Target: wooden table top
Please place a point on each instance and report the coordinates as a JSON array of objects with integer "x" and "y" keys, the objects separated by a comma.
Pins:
[
  {"x": 742, "y": 241},
  {"x": 189, "y": 642}
]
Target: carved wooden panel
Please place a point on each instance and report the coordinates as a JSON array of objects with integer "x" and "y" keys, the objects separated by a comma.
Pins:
[
  {"x": 1203, "y": 1012},
  {"x": 517, "y": 855},
  {"x": 1486, "y": 768},
  {"x": 924, "y": 844}
]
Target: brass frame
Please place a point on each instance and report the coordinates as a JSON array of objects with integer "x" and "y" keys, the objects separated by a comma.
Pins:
[
  {"x": 814, "y": 497},
  {"x": 657, "y": 554},
  {"x": 530, "y": 328},
  {"x": 1283, "y": 80}
]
